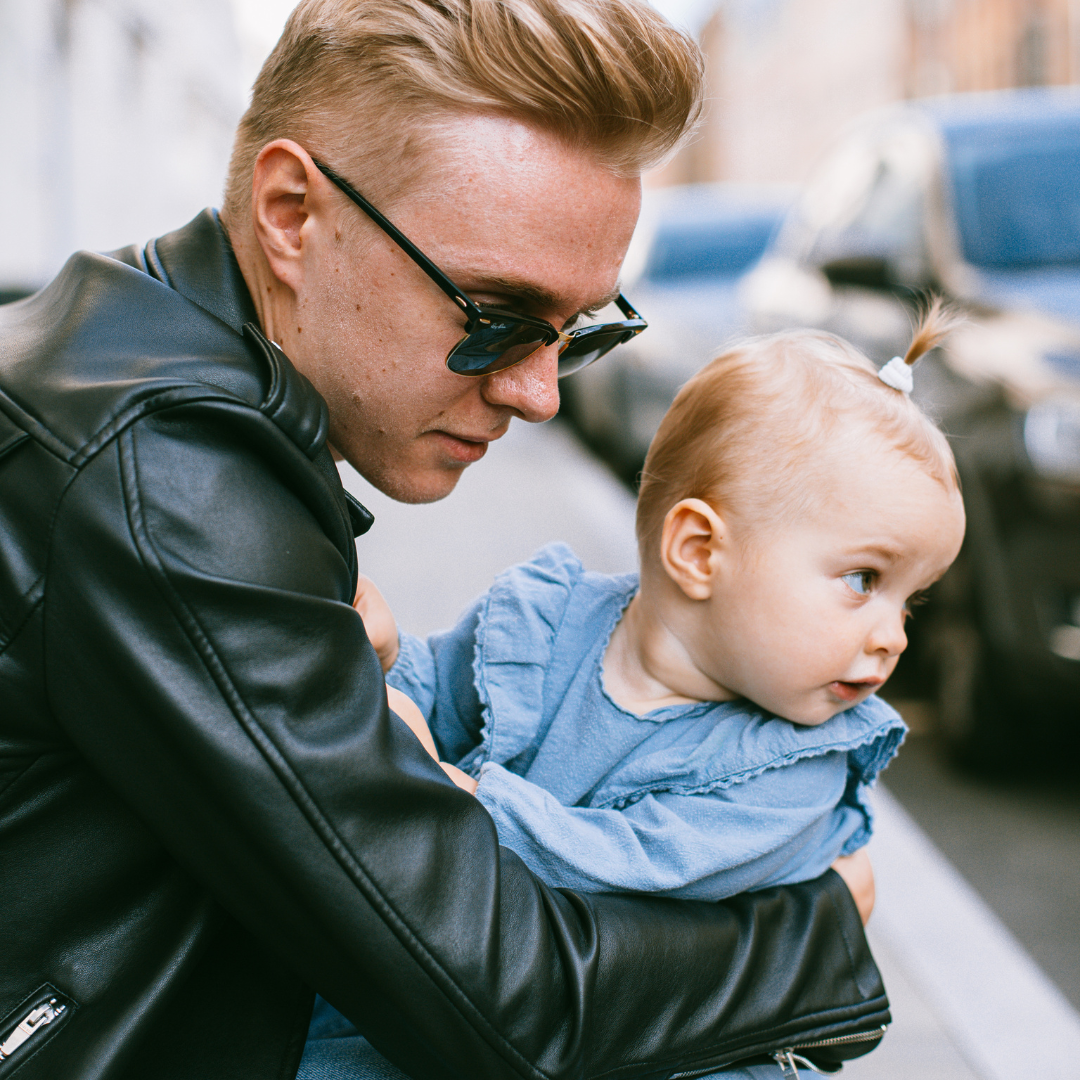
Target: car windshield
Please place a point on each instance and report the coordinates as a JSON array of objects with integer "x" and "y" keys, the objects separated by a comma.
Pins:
[
  {"x": 706, "y": 246},
  {"x": 1016, "y": 191}
]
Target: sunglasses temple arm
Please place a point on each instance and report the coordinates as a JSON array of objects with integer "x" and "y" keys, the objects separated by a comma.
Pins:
[
  {"x": 624, "y": 306},
  {"x": 404, "y": 243}
]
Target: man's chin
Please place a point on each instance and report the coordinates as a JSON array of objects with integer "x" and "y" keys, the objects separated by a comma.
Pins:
[{"x": 421, "y": 486}]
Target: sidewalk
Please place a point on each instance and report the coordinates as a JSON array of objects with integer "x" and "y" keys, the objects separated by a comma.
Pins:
[{"x": 967, "y": 1001}]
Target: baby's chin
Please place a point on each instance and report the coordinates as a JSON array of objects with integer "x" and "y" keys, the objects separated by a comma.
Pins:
[
  {"x": 804, "y": 715},
  {"x": 817, "y": 710},
  {"x": 811, "y": 721}
]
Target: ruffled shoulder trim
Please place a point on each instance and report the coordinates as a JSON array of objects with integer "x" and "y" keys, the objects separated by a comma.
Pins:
[
  {"x": 745, "y": 742},
  {"x": 525, "y": 607},
  {"x": 515, "y": 642}
]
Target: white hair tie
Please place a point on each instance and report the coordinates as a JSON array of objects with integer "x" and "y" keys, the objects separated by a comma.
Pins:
[{"x": 897, "y": 374}]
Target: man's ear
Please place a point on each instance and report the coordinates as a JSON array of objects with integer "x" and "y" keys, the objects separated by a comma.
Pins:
[
  {"x": 690, "y": 545},
  {"x": 283, "y": 197}
]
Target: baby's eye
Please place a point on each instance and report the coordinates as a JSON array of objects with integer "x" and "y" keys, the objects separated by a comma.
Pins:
[{"x": 860, "y": 581}]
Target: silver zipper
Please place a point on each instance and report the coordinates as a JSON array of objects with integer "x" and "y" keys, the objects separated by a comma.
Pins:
[
  {"x": 789, "y": 1061},
  {"x": 837, "y": 1040},
  {"x": 34, "y": 1020}
]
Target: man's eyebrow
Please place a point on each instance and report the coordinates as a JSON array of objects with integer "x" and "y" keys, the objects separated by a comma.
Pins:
[
  {"x": 536, "y": 296},
  {"x": 599, "y": 305}
]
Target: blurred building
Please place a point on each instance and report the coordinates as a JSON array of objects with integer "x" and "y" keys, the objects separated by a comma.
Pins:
[
  {"x": 991, "y": 44},
  {"x": 116, "y": 118},
  {"x": 786, "y": 76}
]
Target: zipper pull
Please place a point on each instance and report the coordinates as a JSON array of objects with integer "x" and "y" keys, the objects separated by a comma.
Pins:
[
  {"x": 786, "y": 1060},
  {"x": 790, "y": 1063},
  {"x": 36, "y": 1018}
]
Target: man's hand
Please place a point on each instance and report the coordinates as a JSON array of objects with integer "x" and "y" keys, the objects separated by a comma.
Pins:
[
  {"x": 409, "y": 711},
  {"x": 378, "y": 622},
  {"x": 858, "y": 875}
]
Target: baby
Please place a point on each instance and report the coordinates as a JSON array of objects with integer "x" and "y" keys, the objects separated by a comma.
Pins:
[{"x": 709, "y": 726}]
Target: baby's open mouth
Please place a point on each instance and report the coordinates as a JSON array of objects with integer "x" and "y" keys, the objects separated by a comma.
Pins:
[{"x": 849, "y": 691}]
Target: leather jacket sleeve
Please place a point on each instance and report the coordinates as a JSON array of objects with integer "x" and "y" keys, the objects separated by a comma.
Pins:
[{"x": 201, "y": 573}]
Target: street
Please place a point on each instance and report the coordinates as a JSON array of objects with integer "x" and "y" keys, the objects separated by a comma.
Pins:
[{"x": 1017, "y": 843}]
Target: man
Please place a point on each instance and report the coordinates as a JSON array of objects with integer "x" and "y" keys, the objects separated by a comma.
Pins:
[{"x": 207, "y": 812}]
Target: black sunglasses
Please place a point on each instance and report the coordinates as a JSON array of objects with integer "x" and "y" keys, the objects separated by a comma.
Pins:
[{"x": 496, "y": 339}]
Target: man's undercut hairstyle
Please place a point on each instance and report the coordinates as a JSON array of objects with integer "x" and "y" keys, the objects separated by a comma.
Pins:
[
  {"x": 755, "y": 431},
  {"x": 360, "y": 81}
]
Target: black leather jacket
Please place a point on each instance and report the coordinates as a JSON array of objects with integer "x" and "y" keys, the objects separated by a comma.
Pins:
[{"x": 205, "y": 808}]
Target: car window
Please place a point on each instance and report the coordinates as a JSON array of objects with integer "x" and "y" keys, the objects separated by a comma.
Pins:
[
  {"x": 723, "y": 245},
  {"x": 1016, "y": 192}
]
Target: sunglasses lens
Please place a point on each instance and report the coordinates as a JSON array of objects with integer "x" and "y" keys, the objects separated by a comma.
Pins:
[
  {"x": 583, "y": 350},
  {"x": 494, "y": 347}
]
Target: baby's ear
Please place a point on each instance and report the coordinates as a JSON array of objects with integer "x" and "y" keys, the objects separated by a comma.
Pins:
[{"x": 689, "y": 544}]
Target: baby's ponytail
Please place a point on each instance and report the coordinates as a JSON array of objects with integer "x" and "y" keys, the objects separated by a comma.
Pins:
[{"x": 935, "y": 324}]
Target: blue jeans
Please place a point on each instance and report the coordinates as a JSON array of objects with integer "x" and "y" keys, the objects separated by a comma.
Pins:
[{"x": 335, "y": 1050}]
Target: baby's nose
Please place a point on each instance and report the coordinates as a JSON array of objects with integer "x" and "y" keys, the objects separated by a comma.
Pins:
[{"x": 888, "y": 635}]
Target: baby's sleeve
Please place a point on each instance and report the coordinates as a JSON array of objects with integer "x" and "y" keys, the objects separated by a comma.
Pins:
[
  {"x": 703, "y": 846},
  {"x": 437, "y": 673}
]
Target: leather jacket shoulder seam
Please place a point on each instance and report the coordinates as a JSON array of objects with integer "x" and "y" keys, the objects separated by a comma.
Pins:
[
  {"x": 188, "y": 394},
  {"x": 79, "y": 456},
  {"x": 11, "y": 633},
  {"x": 35, "y": 429},
  {"x": 155, "y": 267},
  {"x": 191, "y": 627}
]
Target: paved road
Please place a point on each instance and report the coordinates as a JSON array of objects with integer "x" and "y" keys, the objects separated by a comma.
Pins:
[
  {"x": 1017, "y": 843},
  {"x": 955, "y": 985}
]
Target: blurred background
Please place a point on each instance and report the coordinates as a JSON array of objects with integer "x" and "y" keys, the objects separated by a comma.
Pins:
[{"x": 855, "y": 155}]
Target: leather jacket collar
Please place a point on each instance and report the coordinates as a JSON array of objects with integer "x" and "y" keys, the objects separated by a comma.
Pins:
[{"x": 199, "y": 263}]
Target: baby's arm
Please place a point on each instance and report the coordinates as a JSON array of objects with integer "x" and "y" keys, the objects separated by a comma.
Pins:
[
  {"x": 696, "y": 846},
  {"x": 379, "y": 621},
  {"x": 405, "y": 708},
  {"x": 437, "y": 673},
  {"x": 858, "y": 876},
  {"x": 383, "y": 634}
]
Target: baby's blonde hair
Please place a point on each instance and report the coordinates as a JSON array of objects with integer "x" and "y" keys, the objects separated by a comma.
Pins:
[
  {"x": 364, "y": 82},
  {"x": 750, "y": 430}
]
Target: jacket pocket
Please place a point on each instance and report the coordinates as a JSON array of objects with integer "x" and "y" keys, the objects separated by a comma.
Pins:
[{"x": 31, "y": 1024}]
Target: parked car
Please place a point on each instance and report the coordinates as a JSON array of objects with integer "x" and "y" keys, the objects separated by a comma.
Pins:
[
  {"x": 682, "y": 271},
  {"x": 976, "y": 197}
]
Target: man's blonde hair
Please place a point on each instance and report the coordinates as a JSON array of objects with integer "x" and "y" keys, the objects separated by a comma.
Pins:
[
  {"x": 360, "y": 81},
  {"x": 751, "y": 431}
]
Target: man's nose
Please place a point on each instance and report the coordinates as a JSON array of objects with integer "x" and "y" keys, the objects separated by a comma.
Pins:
[
  {"x": 530, "y": 388},
  {"x": 888, "y": 635}
]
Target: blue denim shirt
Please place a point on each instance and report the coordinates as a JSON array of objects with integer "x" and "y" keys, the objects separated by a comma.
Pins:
[{"x": 697, "y": 801}]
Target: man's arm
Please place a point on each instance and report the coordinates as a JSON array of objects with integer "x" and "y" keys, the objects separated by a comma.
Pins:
[{"x": 215, "y": 674}]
